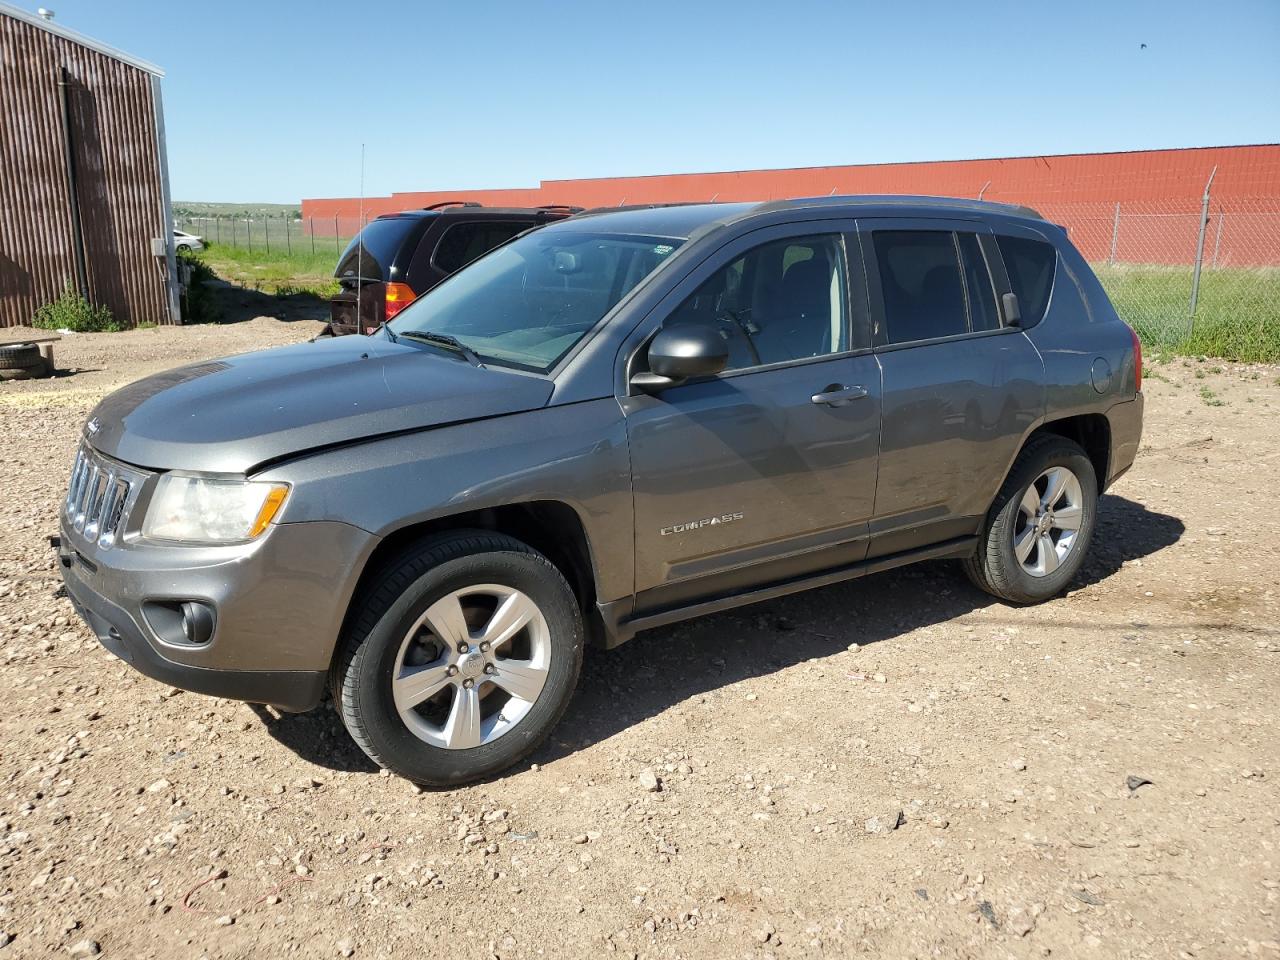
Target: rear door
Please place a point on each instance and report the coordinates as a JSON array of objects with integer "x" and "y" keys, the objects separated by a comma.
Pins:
[
  {"x": 767, "y": 471},
  {"x": 961, "y": 388}
]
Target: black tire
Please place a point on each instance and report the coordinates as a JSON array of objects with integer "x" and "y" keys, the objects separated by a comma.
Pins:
[
  {"x": 994, "y": 567},
  {"x": 20, "y": 356},
  {"x": 383, "y": 615}
]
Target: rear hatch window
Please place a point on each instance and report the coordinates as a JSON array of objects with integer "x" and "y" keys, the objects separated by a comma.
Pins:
[{"x": 372, "y": 252}]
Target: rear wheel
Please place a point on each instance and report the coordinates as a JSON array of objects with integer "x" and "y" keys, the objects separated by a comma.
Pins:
[
  {"x": 1039, "y": 528},
  {"x": 462, "y": 658}
]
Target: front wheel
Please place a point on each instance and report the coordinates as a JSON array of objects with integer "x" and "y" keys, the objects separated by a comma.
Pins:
[
  {"x": 1039, "y": 527},
  {"x": 463, "y": 656}
]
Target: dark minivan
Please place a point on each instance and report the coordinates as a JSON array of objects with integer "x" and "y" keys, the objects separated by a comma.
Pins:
[{"x": 398, "y": 257}]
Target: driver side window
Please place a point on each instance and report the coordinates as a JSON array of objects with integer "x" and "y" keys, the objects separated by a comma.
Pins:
[{"x": 781, "y": 301}]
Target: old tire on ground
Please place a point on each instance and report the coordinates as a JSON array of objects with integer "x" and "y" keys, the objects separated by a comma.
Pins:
[
  {"x": 459, "y": 658},
  {"x": 20, "y": 356},
  {"x": 1038, "y": 529}
]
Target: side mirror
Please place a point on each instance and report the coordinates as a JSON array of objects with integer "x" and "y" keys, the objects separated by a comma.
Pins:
[
  {"x": 682, "y": 353},
  {"x": 1012, "y": 312}
]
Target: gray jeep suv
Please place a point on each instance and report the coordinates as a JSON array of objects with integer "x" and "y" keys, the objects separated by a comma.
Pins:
[{"x": 606, "y": 425}]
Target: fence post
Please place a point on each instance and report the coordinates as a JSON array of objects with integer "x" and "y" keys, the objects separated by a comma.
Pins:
[
  {"x": 288, "y": 240},
  {"x": 1115, "y": 235},
  {"x": 248, "y": 232},
  {"x": 335, "y": 234},
  {"x": 1217, "y": 237},
  {"x": 233, "y": 231},
  {"x": 266, "y": 231},
  {"x": 217, "y": 223},
  {"x": 311, "y": 222},
  {"x": 1204, "y": 223}
]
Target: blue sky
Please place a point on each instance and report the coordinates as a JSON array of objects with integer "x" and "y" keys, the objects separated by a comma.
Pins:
[{"x": 269, "y": 101}]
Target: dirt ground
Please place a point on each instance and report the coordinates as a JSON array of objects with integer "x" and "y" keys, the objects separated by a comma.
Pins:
[{"x": 139, "y": 821}]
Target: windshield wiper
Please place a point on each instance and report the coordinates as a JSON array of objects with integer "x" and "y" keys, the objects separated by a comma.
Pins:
[
  {"x": 443, "y": 340},
  {"x": 383, "y": 328}
]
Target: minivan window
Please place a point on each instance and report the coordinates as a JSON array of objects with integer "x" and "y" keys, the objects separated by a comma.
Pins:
[
  {"x": 920, "y": 283},
  {"x": 527, "y": 304},
  {"x": 1031, "y": 265},
  {"x": 981, "y": 295},
  {"x": 780, "y": 301},
  {"x": 464, "y": 242}
]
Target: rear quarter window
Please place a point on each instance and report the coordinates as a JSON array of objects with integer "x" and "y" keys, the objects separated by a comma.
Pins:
[{"x": 1031, "y": 265}]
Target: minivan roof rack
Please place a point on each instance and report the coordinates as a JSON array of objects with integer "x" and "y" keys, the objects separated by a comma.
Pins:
[{"x": 452, "y": 203}]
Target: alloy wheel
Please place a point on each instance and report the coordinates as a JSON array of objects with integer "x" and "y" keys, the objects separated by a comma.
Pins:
[
  {"x": 1048, "y": 523},
  {"x": 472, "y": 666}
]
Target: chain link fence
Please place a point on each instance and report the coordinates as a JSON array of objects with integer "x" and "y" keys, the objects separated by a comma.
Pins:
[
  {"x": 284, "y": 234},
  {"x": 1190, "y": 277},
  {"x": 1194, "y": 276}
]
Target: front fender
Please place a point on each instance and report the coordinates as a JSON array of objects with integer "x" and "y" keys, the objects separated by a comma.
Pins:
[{"x": 575, "y": 454}]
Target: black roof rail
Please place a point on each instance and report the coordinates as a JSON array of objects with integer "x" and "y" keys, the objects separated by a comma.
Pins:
[
  {"x": 595, "y": 211},
  {"x": 560, "y": 206},
  {"x": 894, "y": 199},
  {"x": 452, "y": 203}
]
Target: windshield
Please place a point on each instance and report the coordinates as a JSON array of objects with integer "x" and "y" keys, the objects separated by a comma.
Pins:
[{"x": 528, "y": 303}]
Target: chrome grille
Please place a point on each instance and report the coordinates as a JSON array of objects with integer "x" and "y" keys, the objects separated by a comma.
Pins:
[{"x": 99, "y": 496}]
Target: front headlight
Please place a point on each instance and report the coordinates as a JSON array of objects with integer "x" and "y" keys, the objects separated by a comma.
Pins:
[{"x": 211, "y": 511}]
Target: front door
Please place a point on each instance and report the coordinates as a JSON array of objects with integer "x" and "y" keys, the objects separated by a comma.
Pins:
[{"x": 767, "y": 471}]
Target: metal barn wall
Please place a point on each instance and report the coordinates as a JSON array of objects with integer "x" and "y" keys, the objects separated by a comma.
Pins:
[{"x": 119, "y": 179}]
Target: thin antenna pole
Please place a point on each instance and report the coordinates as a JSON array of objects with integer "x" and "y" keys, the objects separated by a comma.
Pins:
[{"x": 360, "y": 248}]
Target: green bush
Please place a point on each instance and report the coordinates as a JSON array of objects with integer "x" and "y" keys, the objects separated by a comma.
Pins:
[
  {"x": 73, "y": 312},
  {"x": 199, "y": 303}
]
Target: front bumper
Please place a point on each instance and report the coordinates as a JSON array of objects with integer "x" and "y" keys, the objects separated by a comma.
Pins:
[
  {"x": 295, "y": 690},
  {"x": 279, "y": 604}
]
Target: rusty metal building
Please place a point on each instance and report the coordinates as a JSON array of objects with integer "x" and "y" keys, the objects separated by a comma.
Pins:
[{"x": 84, "y": 181}]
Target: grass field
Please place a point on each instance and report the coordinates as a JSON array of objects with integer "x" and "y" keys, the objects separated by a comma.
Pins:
[
  {"x": 276, "y": 271},
  {"x": 1237, "y": 313}
]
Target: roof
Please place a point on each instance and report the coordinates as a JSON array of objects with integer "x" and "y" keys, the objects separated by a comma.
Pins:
[
  {"x": 57, "y": 29},
  {"x": 683, "y": 220},
  {"x": 673, "y": 220}
]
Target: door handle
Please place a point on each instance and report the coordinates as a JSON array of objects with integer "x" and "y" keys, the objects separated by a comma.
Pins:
[{"x": 838, "y": 395}]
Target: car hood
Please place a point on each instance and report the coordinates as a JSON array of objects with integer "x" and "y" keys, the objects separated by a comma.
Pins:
[{"x": 233, "y": 414}]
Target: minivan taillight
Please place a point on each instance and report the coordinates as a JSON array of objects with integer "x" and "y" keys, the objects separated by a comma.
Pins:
[
  {"x": 399, "y": 296},
  {"x": 1137, "y": 360}
]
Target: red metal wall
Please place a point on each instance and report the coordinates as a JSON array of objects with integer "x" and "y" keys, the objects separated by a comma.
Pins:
[{"x": 1080, "y": 190}]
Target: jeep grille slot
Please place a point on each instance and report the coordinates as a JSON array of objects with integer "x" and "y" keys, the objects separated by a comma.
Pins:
[{"x": 99, "y": 496}]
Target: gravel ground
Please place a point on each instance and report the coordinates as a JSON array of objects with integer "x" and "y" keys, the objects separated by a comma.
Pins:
[{"x": 896, "y": 766}]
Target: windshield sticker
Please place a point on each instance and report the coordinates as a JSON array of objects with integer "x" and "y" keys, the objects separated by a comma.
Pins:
[{"x": 663, "y": 249}]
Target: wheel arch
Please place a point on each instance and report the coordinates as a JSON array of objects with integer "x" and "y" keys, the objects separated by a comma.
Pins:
[
  {"x": 551, "y": 527},
  {"x": 1090, "y": 431}
]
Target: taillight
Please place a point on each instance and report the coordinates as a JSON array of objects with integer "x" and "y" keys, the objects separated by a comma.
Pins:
[
  {"x": 1137, "y": 359},
  {"x": 399, "y": 296}
]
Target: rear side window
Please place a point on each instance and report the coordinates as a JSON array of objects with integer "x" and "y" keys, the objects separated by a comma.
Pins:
[
  {"x": 921, "y": 285},
  {"x": 1031, "y": 265},
  {"x": 464, "y": 242}
]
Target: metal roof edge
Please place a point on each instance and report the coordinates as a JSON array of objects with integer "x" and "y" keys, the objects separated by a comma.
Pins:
[{"x": 57, "y": 29}]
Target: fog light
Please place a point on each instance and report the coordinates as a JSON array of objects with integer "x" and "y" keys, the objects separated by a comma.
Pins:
[
  {"x": 197, "y": 622},
  {"x": 181, "y": 623}
]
